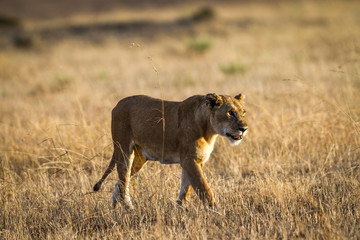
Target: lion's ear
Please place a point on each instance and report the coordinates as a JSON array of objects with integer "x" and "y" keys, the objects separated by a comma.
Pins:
[
  {"x": 240, "y": 97},
  {"x": 213, "y": 100}
]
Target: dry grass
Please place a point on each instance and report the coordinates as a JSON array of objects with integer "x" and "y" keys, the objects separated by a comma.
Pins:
[{"x": 296, "y": 175}]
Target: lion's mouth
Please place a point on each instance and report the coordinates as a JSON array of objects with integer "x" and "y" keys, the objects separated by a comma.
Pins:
[{"x": 239, "y": 137}]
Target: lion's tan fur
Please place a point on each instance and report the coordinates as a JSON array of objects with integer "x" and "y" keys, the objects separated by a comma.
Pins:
[{"x": 187, "y": 137}]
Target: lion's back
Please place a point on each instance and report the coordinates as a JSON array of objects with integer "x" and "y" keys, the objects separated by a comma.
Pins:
[{"x": 143, "y": 117}]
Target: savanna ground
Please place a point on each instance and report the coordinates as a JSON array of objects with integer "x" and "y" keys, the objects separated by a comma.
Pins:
[{"x": 295, "y": 175}]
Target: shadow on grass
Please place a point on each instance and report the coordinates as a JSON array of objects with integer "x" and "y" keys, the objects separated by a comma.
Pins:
[
  {"x": 96, "y": 32},
  {"x": 143, "y": 27}
]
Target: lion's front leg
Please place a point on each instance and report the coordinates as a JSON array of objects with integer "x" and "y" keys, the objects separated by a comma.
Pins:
[
  {"x": 193, "y": 170},
  {"x": 185, "y": 188}
]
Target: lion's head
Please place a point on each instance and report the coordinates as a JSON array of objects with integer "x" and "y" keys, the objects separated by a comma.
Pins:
[{"x": 227, "y": 116}]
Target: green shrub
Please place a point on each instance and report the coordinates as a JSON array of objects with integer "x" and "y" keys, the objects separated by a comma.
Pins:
[
  {"x": 61, "y": 82},
  {"x": 199, "y": 45},
  {"x": 233, "y": 68},
  {"x": 184, "y": 81}
]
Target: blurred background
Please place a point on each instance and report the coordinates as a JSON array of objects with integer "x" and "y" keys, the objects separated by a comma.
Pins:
[{"x": 195, "y": 46}]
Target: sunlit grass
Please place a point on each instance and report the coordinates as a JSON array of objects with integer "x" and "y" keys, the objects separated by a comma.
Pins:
[{"x": 295, "y": 175}]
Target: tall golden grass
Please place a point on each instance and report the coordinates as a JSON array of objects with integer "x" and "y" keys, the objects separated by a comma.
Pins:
[{"x": 296, "y": 175}]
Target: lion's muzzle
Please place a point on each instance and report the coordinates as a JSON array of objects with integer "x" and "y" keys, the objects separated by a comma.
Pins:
[{"x": 238, "y": 135}]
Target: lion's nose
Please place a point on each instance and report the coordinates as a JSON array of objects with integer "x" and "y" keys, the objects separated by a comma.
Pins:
[{"x": 243, "y": 129}]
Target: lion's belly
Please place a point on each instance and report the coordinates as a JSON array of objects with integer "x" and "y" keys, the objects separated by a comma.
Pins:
[{"x": 168, "y": 158}]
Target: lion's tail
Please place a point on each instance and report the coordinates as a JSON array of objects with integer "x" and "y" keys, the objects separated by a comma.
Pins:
[{"x": 109, "y": 169}]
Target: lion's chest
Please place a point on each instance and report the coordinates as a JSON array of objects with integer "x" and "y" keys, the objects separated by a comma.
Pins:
[{"x": 204, "y": 150}]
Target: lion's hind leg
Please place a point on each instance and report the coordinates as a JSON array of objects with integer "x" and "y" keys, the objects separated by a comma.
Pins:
[
  {"x": 124, "y": 164},
  {"x": 137, "y": 163}
]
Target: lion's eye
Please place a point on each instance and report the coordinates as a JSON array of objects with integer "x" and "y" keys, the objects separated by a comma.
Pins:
[
  {"x": 244, "y": 113},
  {"x": 232, "y": 114}
]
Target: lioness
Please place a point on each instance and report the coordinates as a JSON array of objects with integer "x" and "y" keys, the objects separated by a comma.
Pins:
[{"x": 147, "y": 129}]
